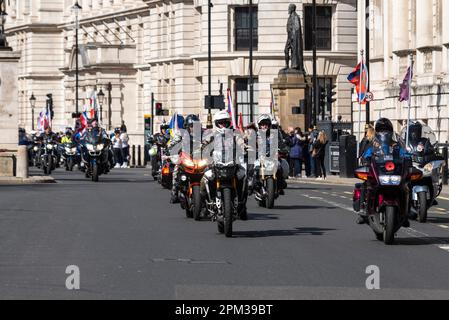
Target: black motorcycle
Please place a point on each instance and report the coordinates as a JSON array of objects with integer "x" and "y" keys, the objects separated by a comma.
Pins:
[
  {"x": 70, "y": 155},
  {"x": 48, "y": 155},
  {"x": 95, "y": 155},
  {"x": 158, "y": 143}
]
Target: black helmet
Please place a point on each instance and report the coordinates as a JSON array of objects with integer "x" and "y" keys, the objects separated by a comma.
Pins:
[
  {"x": 415, "y": 131},
  {"x": 384, "y": 125},
  {"x": 190, "y": 120},
  {"x": 164, "y": 126}
]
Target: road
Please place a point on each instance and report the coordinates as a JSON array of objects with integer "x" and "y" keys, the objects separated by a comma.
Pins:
[{"x": 130, "y": 243}]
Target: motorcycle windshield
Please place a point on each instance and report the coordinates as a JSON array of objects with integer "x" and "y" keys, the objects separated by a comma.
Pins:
[
  {"x": 427, "y": 133},
  {"x": 224, "y": 147},
  {"x": 94, "y": 137},
  {"x": 385, "y": 150}
]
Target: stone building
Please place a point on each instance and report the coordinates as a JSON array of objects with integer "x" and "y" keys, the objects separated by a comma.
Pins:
[
  {"x": 142, "y": 47},
  {"x": 397, "y": 29}
]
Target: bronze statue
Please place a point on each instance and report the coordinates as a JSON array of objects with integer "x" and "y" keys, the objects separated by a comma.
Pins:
[
  {"x": 294, "y": 41},
  {"x": 2, "y": 21}
]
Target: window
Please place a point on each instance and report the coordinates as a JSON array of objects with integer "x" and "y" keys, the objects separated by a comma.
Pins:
[
  {"x": 323, "y": 27},
  {"x": 242, "y": 99},
  {"x": 242, "y": 35}
]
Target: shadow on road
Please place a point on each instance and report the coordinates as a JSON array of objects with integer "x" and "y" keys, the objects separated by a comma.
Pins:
[
  {"x": 422, "y": 241},
  {"x": 259, "y": 216},
  {"x": 296, "y": 207},
  {"x": 308, "y": 188},
  {"x": 281, "y": 233},
  {"x": 438, "y": 220}
]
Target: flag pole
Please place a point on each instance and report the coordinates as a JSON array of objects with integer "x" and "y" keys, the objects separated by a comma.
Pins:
[
  {"x": 409, "y": 98},
  {"x": 360, "y": 102}
]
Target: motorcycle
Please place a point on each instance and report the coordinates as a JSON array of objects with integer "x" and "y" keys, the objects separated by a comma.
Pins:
[
  {"x": 223, "y": 201},
  {"x": 48, "y": 155},
  {"x": 69, "y": 155},
  {"x": 165, "y": 179},
  {"x": 430, "y": 163},
  {"x": 386, "y": 200},
  {"x": 190, "y": 173},
  {"x": 158, "y": 143},
  {"x": 95, "y": 155},
  {"x": 268, "y": 174}
]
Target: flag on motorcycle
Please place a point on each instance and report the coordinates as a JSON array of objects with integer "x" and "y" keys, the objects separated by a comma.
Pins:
[
  {"x": 241, "y": 122},
  {"x": 272, "y": 103},
  {"x": 404, "y": 93},
  {"x": 176, "y": 122},
  {"x": 231, "y": 109},
  {"x": 359, "y": 77}
]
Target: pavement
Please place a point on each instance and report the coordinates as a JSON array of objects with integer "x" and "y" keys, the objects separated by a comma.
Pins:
[
  {"x": 128, "y": 242},
  {"x": 29, "y": 180}
]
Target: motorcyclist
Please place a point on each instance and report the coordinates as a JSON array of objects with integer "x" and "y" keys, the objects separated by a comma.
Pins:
[
  {"x": 416, "y": 140},
  {"x": 67, "y": 138},
  {"x": 265, "y": 124},
  {"x": 387, "y": 141},
  {"x": 176, "y": 142},
  {"x": 223, "y": 122}
]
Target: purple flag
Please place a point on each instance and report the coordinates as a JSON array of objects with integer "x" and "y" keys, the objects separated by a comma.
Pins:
[{"x": 405, "y": 89}]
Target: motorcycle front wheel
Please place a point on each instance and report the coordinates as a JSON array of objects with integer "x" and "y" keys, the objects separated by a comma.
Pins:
[
  {"x": 95, "y": 172},
  {"x": 196, "y": 203},
  {"x": 227, "y": 210},
  {"x": 422, "y": 201},
  {"x": 390, "y": 223},
  {"x": 269, "y": 201}
]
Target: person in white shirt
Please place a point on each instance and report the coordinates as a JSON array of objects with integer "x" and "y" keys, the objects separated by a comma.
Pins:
[
  {"x": 117, "y": 147},
  {"x": 125, "y": 148}
]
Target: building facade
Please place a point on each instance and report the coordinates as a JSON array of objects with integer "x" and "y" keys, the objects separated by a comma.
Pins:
[
  {"x": 131, "y": 49},
  {"x": 397, "y": 29}
]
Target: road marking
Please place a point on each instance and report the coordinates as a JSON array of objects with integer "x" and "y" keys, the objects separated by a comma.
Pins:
[
  {"x": 443, "y": 226},
  {"x": 444, "y": 198},
  {"x": 444, "y": 247},
  {"x": 350, "y": 193},
  {"x": 441, "y": 209}
]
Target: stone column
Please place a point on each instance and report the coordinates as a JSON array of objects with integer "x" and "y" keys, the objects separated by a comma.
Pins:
[
  {"x": 400, "y": 31},
  {"x": 445, "y": 17},
  {"x": 424, "y": 24}
]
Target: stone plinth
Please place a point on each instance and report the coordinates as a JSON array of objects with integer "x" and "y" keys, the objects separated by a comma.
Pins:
[
  {"x": 8, "y": 110},
  {"x": 289, "y": 89}
]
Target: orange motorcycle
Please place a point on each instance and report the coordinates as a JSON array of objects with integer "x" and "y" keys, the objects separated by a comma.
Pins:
[{"x": 190, "y": 173}]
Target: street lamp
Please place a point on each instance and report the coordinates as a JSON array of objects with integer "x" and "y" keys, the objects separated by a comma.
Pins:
[
  {"x": 33, "y": 104},
  {"x": 76, "y": 10},
  {"x": 3, "y": 15},
  {"x": 100, "y": 96}
]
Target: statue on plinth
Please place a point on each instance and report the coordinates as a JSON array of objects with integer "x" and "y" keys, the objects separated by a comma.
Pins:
[{"x": 294, "y": 49}]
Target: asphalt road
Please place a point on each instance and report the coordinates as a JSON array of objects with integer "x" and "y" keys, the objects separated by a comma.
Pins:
[{"x": 130, "y": 243}]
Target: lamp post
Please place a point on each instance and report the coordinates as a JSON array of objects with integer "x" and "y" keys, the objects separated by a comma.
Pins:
[
  {"x": 100, "y": 96},
  {"x": 32, "y": 104},
  {"x": 109, "y": 88},
  {"x": 76, "y": 9}
]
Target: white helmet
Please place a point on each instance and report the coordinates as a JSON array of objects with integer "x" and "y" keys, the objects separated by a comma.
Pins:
[
  {"x": 264, "y": 118},
  {"x": 222, "y": 116}
]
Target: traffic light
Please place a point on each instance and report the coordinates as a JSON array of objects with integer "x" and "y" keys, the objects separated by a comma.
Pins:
[
  {"x": 159, "y": 110},
  {"x": 331, "y": 95},
  {"x": 322, "y": 99}
]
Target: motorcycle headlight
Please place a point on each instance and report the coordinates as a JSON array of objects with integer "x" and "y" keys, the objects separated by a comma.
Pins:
[
  {"x": 153, "y": 152},
  {"x": 35, "y": 148},
  {"x": 90, "y": 147},
  {"x": 269, "y": 165},
  {"x": 188, "y": 163},
  {"x": 428, "y": 168},
  {"x": 183, "y": 178},
  {"x": 100, "y": 147},
  {"x": 209, "y": 174},
  {"x": 49, "y": 146},
  {"x": 390, "y": 180},
  {"x": 68, "y": 150},
  {"x": 202, "y": 163}
]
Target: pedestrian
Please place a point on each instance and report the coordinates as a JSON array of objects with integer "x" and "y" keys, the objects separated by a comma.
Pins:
[
  {"x": 319, "y": 153},
  {"x": 117, "y": 147},
  {"x": 123, "y": 127},
  {"x": 297, "y": 152},
  {"x": 125, "y": 146},
  {"x": 313, "y": 135},
  {"x": 367, "y": 140}
]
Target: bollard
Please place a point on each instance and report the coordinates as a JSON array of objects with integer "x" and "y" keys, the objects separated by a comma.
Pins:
[
  {"x": 139, "y": 156},
  {"x": 22, "y": 162},
  {"x": 445, "y": 170},
  {"x": 133, "y": 158}
]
